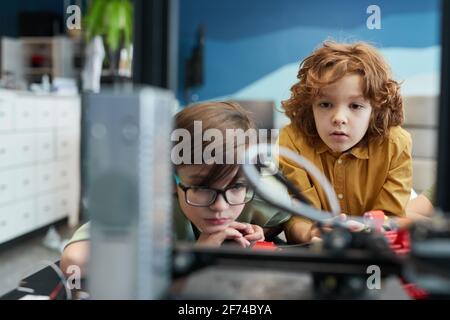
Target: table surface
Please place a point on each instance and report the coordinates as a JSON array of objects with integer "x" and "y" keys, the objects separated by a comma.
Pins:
[{"x": 222, "y": 282}]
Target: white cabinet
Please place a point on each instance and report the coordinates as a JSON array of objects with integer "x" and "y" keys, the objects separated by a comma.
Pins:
[
  {"x": 66, "y": 116},
  {"x": 45, "y": 209},
  {"x": 45, "y": 177},
  {"x": 57, "y": 52},
  {"x": 25, "y": 111},
  {"x": 65, "y": 142},
  {"x": 6, "y": 150},
  {"x": 6, "y": 114},
  {"x": 46, "y": 113},
  {"x": 25, "y": 182},
  {"x": 39, "y": 161},
  {"x": 6, "y": 187},
  {"x": 24, "y": 148},
  {"x": 7, "y": 226},
  {"x": 25, "y": 217},
  {"x": 17, "y": 218},
  {"x": 45, "y": 146},
  {"x": 64, "y": 204},
  {"x": 421, "y": 113},
  {"x": 64, "y": 177}
]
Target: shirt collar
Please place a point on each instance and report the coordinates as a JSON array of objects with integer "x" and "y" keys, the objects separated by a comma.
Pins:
[
  {"x": 322, "y": 147},
  {"x": 360, "y": 151}
]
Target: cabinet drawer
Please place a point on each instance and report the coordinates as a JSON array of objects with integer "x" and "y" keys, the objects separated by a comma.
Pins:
[
  {"x": 25, "y": 113},
  {"x": 25, "y": 216},
  {"x": 65, "y": 143},
  {"x": 7, "y": 149},
  {"x": 64, "y": 205},
  {"x": 46, "y": 175},
  {"x": 45, "y": 113},
  {"x": 25, "y": 182},
  {"x": 6, "y": 186},
  {"x": 7, "y": 223},
  {"x": 67, "y": 114},
  {"x": 25, "y": 148},
  {"x": 6, "y": 115},
  {"x": 424, "y": 142},
  {"x": 63, "y": 173},
  {"x": 45, "y": 209},
  {"x": 45, "y": 147}
]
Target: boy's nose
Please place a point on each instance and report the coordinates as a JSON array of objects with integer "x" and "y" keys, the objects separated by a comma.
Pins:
[
  {"x": 339, "y": 121},
  {"x": 339, "y": 118},
  {"x": 220, "y": 204}
]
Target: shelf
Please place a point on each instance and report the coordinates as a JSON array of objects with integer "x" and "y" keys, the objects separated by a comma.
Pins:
[
  {"x": 37, "y": 40},
  {"x": 38, "y": 70},
  {"x": 33, "y": 57}
]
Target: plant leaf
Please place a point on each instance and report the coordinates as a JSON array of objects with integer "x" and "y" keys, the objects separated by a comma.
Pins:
[
  {"x": 112, "y": 19},
  {"x": 94, "y": 21}
]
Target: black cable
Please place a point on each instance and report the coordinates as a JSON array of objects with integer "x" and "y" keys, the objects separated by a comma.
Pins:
[{"x": 290, "y": 186}]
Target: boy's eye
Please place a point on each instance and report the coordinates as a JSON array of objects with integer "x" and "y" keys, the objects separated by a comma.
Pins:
[
  {"x": 356, "y": 106},
  {"x": 325, "y": 105},
  {"x": 237, "y": 186}
]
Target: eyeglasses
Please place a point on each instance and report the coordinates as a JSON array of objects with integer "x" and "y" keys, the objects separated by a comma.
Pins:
[{"x": 199, "y": 196}]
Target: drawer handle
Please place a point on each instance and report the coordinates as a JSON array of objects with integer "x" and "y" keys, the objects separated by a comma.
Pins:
[
  {"x": 2, "y": 187},
  {"x": 2, "y": 151},
  {"x": 3, "y": 223}
]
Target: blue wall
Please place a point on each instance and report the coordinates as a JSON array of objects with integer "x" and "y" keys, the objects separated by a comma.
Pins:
[
  {"x": 253, "y": 45},
  {"x": 9, "y": 12},
  {"x": 10, "y": 9}
]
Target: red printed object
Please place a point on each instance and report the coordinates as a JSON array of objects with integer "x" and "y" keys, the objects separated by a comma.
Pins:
[
  {"x": 265, "y": 245},
  {"x": 375, "y": 218},
  {"x": 399, "y": 242}
]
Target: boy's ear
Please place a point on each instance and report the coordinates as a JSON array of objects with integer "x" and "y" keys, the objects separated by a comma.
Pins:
[{"x": 175, "y": 184}]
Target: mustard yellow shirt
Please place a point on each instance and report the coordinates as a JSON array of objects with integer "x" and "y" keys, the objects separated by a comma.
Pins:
[{"x": 370, "y": 176}]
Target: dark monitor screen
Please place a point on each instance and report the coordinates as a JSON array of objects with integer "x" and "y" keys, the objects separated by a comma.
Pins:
[{"x": 443, "y": 180}]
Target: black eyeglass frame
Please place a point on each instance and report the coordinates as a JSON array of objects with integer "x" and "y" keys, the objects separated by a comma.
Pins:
[{"x": 185, "y": 188}]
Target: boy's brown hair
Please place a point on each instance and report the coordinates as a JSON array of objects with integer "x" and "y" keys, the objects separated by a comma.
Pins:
[
  {"x": 335, "y": 60},
  {"x": 214, "y": 115}
]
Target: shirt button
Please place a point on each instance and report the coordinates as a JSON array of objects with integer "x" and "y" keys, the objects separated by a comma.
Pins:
[
  {"x": 339, "y": 161},
  {"x": 340, "y": 196}
]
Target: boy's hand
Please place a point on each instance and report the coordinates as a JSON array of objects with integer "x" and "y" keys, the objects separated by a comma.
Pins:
[
  {"x": 243, "y": 233},
  {"x": 355, "y": 226},
  {"x": 315, "y": 233},
  {"x": 251, "y": 232},
  {"x": 216, "y": 239}
]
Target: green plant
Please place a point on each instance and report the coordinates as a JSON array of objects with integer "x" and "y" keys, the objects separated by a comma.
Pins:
[{"x": 112, "y": 19}]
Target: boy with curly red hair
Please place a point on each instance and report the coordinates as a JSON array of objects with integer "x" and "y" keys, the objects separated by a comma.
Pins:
[{"x": 346, "y": 112}]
